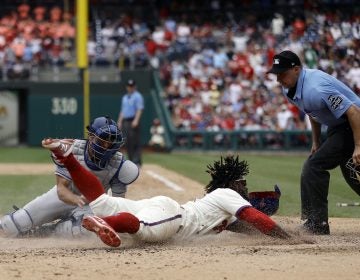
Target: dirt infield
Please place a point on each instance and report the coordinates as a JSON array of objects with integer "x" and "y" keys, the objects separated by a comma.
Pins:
[{"x": 225, "y": 256}]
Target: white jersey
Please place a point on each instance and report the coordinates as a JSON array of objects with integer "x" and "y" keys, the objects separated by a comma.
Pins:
[
  {"x": 162, "y": 218},
  {"x": 117, "y": 174},
  {"x": 212, "y": 213}
]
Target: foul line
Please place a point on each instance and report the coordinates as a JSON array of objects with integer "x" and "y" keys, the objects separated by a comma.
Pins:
[{"x": 167, "y": 182}]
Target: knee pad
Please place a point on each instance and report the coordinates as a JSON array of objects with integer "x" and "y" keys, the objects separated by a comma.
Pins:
[{"x": 16, "y": 223}]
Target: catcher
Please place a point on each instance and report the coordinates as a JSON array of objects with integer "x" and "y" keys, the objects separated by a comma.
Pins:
[
  {"x": 101, "y": 157},
  {"x": 160, "y": 218}
]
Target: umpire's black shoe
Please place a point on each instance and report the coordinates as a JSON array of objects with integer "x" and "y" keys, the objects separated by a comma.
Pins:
[{"x": 317, "y": 228}]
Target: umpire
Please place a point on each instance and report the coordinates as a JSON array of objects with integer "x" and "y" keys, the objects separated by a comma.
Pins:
[
  {"x": 132, "y": 106},
  {"x": 329, "y": 102}
]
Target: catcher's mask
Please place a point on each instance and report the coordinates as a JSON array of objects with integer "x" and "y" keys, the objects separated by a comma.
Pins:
[
  {"x": 105, "y": 139},
  {"x": 266, "y": 202},
  {"x": 354, "y": 170}
]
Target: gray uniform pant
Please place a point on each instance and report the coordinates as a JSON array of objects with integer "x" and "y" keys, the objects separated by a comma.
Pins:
[
  {"x": 335, "y": 151},
  {"x": 133, "y": 142}
]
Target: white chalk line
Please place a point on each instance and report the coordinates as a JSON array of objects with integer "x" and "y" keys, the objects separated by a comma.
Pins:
[{"x": 167, "y": 182}]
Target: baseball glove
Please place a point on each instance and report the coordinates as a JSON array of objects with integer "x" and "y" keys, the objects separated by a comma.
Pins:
[{"x": 266, "y": 201}]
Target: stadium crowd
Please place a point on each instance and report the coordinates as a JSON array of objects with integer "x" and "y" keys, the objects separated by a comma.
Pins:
[
  {"x": 212, "y": 61},
  {"x": 34, "y": 37}
]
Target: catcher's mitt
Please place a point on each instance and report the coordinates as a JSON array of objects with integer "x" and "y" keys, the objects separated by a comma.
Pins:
[{"x": 267, "y": 201}]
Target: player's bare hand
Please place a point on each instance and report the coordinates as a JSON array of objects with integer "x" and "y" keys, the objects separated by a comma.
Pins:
[
  {"x": 134, "y": 124},
  {"x": 356, "y": 155},
  {"x": 299, "y": 237},
  {"x": 295, "y": 240},
  {"x": 84, "y": 199},
  {"x": 81, "y": 201},
  {"x": 314, "y": 148}
]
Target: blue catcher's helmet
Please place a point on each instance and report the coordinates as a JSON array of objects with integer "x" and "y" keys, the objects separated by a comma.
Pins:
[{"x": 105, "y": 139}]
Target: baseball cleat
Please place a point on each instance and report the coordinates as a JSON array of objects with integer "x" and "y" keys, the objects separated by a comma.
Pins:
[
  {"x": 105, "y": 232},
  {"x": 316, "y": 228},
  {"x": 60, "y": 148}
]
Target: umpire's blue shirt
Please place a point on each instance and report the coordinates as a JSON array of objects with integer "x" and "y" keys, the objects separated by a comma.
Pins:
[
  {"x": 323, "y": 97},
  {"x": 131, "y": 103}
]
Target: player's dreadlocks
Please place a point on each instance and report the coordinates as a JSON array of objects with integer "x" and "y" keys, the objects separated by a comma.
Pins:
[{"x": 225, "y": 171}]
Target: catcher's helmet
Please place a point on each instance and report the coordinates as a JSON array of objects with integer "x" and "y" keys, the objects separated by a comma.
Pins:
[
  {"x": 354, "y": 170},
  {"x": 105, "y": 139}
]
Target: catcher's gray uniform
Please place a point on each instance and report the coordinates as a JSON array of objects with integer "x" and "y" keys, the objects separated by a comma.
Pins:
[{"x": 46, "y": 208}]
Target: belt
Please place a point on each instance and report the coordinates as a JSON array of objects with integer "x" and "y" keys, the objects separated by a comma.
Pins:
[
  {"x": 181, "y": 226},
  {"x": 129, "y": 119}
]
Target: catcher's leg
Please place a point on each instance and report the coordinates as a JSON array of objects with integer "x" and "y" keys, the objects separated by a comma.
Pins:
[
  {"x": 43, "y": 209},
  {"x": 71, "y": 226}
]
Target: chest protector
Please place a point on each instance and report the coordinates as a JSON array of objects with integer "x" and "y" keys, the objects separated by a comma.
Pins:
[{"x": 116, "y": 175}]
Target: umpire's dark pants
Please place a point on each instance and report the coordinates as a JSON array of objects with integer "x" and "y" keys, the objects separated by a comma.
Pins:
[
  {"x": 132, "y": 141},
  {"x": 336, "y": 150}
]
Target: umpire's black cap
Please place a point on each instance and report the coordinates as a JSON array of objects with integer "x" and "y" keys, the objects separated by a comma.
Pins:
[
  {"x": 130, "y": 83},
  {"x": 284, "y": 61}
]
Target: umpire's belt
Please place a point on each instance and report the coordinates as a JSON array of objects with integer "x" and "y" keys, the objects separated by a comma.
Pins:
[{"x": 129, "y": 119}]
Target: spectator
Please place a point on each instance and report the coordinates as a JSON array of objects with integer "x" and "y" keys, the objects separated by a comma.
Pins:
[
  {"x": 18, "y": 71},
  {"x": 277, "y": 25},
  {"x": 157, "y": 132},
  {"x": 284, "y": 118},
  {"x": 353, "y": 77}
]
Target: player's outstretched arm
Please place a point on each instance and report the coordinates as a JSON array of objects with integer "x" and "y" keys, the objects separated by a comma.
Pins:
[
  {"x": 240, "y": 226},
  {"x": 262, "y": 222},
  {"x": 278, "y": 232}
]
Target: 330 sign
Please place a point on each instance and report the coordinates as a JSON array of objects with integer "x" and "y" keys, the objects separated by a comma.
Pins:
[{"x": 64, "y": 105}]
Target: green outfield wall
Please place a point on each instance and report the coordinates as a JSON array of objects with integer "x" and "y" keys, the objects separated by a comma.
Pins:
[{"x": 55, "y": 109}]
